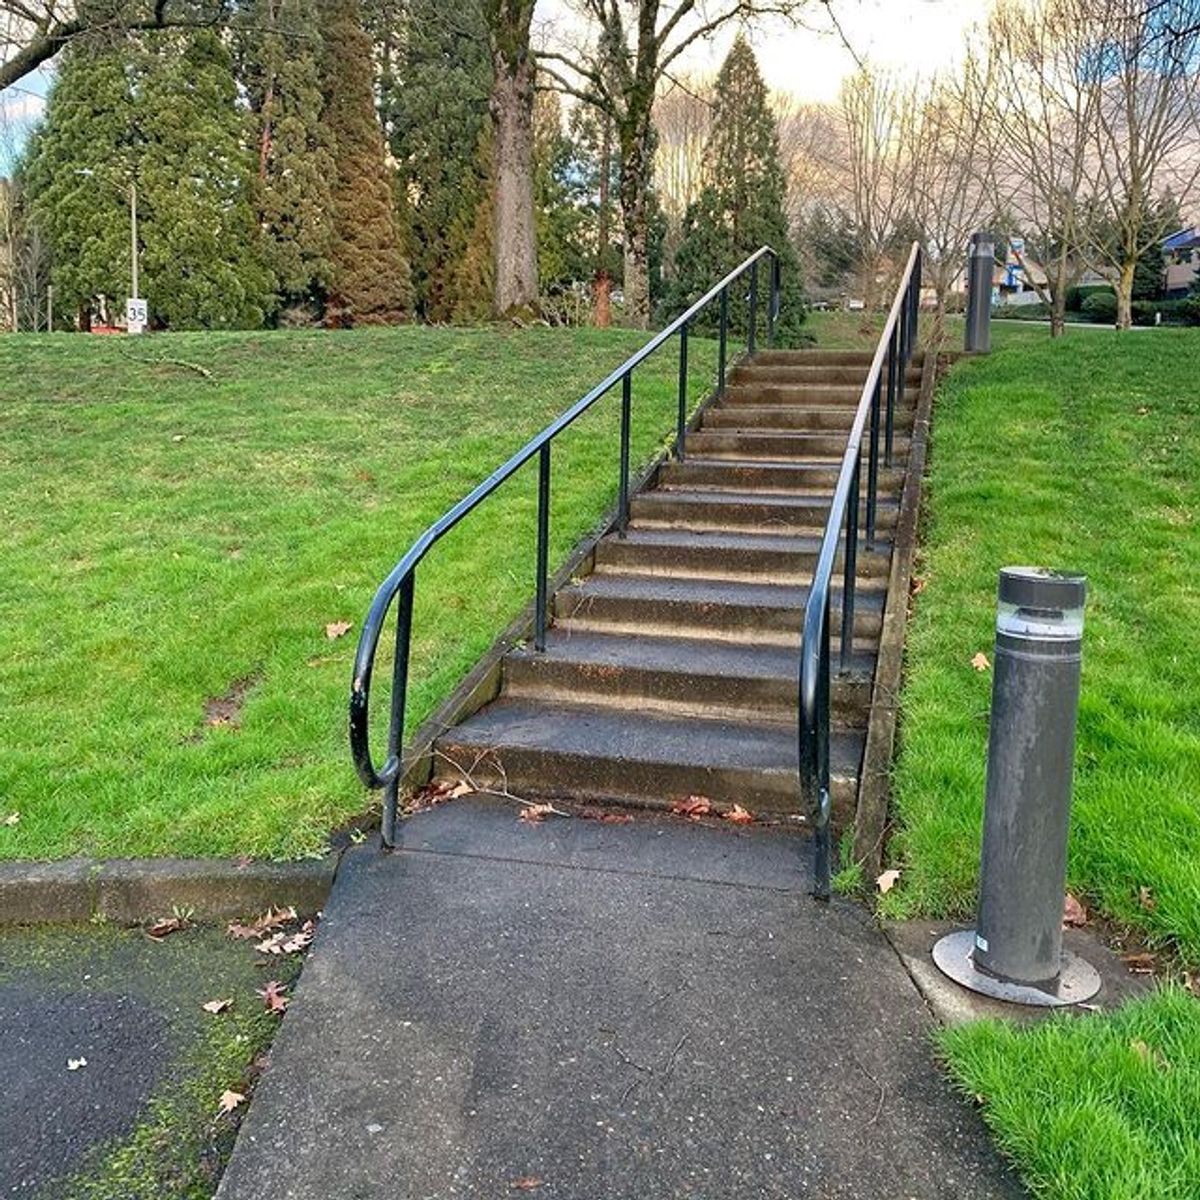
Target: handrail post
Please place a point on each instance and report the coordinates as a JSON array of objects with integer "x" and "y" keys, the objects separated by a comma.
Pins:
[
  {"x": 752, "y": 334},
  {"x": 891, "y": 395},
  {"x": 873, "y": 468},
  {"x": 395, "y": 742},
  {"x": 722, "y": 337},
  {"x": 681, "y": 417},
  {"x": 623, "y": 504},
  {"x": 849, "y": 571},
  {"x": 543, "y": 545},
  {"x": 823, "y": 849}
]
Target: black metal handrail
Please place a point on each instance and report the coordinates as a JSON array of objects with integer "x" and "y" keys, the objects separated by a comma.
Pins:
[
  {"x": 398, "y": 586},
  {"x": 894, "y": 352}
]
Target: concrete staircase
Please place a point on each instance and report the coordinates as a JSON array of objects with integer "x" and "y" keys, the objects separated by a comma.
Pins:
[{"x": 671, "y": 669}]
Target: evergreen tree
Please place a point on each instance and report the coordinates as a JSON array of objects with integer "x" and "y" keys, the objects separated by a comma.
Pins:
[
  {"x": 202, "y": 255},
  {"x": 471, "y": 283},
  {"x": 370, "y": 281},
  {"x": 433, "y": 98},
  {"x": 77, "y": 168},
  {"x": 742, "y": 205},
  {"x": 278, "y": 49},
  {"x": 558, "y": 201}
]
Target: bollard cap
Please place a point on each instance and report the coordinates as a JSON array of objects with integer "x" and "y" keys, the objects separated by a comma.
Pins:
[{"x": 1042, "y": 588}]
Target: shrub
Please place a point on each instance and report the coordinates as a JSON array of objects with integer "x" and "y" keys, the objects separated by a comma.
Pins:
[
  {"x": 1100, "y": 308},
  {"x": 1077, "y": 295}
]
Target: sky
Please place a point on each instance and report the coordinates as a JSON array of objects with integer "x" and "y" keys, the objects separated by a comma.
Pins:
[{"x": 810, "y": 63}]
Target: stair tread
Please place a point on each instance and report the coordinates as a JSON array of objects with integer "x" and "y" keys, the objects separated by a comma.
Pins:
[
  {"x": 868, "y": 598},
  {"x": 687, "y": 655},
  {"x": 685, "y": 495},
  {"x": 594, "y": 731},
  {"x": 720, "y": 539}
]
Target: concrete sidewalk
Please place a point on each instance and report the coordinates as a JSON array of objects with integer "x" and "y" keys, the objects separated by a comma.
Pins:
[{"x": 577, "y": 1009}]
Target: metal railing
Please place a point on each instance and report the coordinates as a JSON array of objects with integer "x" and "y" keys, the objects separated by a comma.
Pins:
[
  {"x": 398, "y": 586},
  {"x": 878, "y": 406}
]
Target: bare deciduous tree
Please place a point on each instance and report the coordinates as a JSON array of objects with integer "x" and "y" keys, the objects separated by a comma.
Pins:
[
  {"x": 636, "y": 45},
  {"x": 1140, "y": 72}
]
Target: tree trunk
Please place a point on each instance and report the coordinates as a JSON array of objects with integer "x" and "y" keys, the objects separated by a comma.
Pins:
[
  {"x": 515, "y": 239},
  {"x": 635, "y": 188},
  {"x": 1125, "y": 294},
  {"x": 1058, "y": 313},
  {"x": 602, "y": 288}
]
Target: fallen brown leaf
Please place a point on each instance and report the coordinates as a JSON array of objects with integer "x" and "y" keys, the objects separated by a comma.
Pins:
[
  {"x": 615, "y": 818},
  {"x": 739, "y": 816},
  {"x": 273, "y": 996},
  {"x": 980, "y": 661},
  {"x": 526, "y": 1184},
  {"x": 1141, "y": 963},
  {"x": 243, "y": 861},
  {"x": 1146, "y": 899},
  {"x": 1191, "y": 983},
  {"x": 217, "y": 1006},
  {"x": 285, "y": 943},
  {"x": 887, "y": 881},
  {"x": 693, "y": 806},
  {"x": 1073, "y": 911},
  {"x": 535, "y": 814},
  {"x": 163, "y": 928},
  {"x": 245, "y": 932},
  {"x": 229, "y": 1101},
  {"x": 336, "y": 629},
  {"x": 917, "y": 586}
]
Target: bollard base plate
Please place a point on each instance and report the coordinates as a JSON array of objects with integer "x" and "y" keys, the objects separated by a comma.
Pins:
[{"x": 954, "y": 957}]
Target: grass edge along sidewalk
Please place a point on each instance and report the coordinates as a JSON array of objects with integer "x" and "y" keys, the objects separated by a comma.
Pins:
[{"x": 1082, "y": 454}]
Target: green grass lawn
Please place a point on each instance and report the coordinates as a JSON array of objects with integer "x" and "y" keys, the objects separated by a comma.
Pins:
[
  {"x": 1083, "y": 454},
  {"x": 1092, "y": 1108},
  {"x": 171, "y": 538}
]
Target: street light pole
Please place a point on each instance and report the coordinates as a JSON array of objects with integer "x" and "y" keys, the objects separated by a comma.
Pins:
[{"x": 133, "y": 236}]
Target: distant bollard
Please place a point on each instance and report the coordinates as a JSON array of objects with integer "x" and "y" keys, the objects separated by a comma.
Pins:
[
  {"x": 980, "y": 261},
  {"x": 1015, "y": 952}
]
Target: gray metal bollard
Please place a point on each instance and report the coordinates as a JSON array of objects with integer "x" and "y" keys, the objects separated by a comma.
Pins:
[
  {"x": 1015, "y": 952},
  {"x": 980, "y": 260}
]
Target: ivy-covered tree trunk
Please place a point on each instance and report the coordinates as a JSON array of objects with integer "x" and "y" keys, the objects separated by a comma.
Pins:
[
  {"x": 511, "y": 106},
  {"x": 635, "y": 215}
]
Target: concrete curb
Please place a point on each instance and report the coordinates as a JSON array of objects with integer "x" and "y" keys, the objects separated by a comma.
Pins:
[{"x": 130, "y": 891}]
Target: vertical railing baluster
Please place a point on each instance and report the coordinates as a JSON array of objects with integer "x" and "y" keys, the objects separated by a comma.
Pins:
[
  {"x": 849, "y": 569},
  {"x": 892, "y": 368},
  {"x": 681, "y": 416},
  {"x": 543, "y": 545},
  {"x": 395, "y": 742},
  {"x": 722, "y": 339},
  {"x": 626, "y": 398},
  {"x": 752, "y": 333},
  {"x": 773, "y": 304},
  {"x": 873, "y": 467}
]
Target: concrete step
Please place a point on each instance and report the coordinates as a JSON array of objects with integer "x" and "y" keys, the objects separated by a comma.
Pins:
[
  {"x": 791, "y": 417},
  {"x": 751, "y": 512},
  {"x": 847, "y": 396},
  {"x": 780, "y": 446},
  {"x": 739, "y": 474},
  {"x": 732, "y": 610},
  {"x": 823, "y": 358},
  {"x": 684, "y": 677},
  {"x": 804, "y": 372},
  {"x": 710, "y": 554},
  {"x": 589, "y": 752}
]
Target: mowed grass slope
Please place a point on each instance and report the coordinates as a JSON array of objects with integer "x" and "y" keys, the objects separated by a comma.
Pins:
[
  {"x": 1082, "y": 454},
  {"x": 171, "y": 538}
]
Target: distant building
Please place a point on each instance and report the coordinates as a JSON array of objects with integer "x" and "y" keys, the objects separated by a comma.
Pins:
[{"x": 1181, "y": 261}]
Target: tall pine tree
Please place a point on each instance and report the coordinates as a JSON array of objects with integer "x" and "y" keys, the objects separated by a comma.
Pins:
[
  {"x": 433, "y": 99},
  {"x": 278, "y": 46},
  {"x": 202, "y": 250},
  {"x": 370, "y": 280},
  {"x": 742, "y": 205},
  {"x": 77, "y": 169}
]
